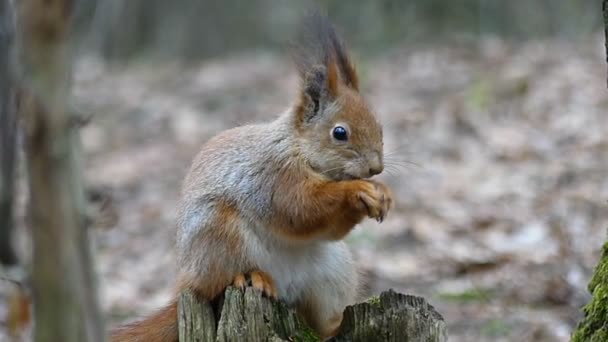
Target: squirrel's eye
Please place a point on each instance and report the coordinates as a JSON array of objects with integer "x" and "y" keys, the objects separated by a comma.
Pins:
[{"x": 339, "y": 133}]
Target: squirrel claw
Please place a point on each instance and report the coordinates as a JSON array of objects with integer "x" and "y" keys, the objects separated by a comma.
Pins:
[
  {"x": 377, "y": 200},
  {"x": 258, "y": 280},
  {"x": 239, "y": 281},
  {"x": 263, "y": 282}
]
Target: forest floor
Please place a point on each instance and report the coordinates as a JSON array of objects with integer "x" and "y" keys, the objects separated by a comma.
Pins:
[{"x": 499, "y": 218}]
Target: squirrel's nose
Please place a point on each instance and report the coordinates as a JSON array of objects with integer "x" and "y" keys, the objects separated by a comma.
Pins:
[
  {"x": 375, "y": 170},
  {"x": 376, "y": 166}
]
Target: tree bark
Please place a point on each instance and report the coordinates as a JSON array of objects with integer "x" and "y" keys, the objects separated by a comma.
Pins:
[
  {"x": 196, "y": 319},
  {"x": 392, "y": 317},
  {"x": 594, "y": 325},
  {"x": 8, "y": 131},
  {"x": 63, "y": 282},
  {"x": 248, "y": 316}
]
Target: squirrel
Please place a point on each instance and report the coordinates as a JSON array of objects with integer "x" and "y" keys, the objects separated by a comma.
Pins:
[{"x": 269, "y": 204}]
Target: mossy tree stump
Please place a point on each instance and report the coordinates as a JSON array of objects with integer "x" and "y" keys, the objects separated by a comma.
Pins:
[
  {"x": 594, "y": 325},
  {"x": 249, "y": 316}
]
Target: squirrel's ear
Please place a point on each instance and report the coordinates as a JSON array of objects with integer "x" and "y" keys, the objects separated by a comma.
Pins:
[{"x": 319, "y": 86}]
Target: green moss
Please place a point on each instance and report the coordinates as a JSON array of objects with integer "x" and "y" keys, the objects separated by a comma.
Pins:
[
  {"x": 468, "y": 296},
  {"x": 306, "y": 334},
  {"x": 375, "y": 300},
  {"x": 594, "y": 325}
]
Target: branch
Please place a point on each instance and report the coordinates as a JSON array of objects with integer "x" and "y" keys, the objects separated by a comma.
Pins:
[{"x": 248, "y": 316}]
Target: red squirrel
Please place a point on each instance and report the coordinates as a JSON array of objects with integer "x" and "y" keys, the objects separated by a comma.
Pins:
[{"x": 272, "y": 201}]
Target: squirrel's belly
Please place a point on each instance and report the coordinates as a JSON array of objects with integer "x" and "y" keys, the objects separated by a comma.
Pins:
[{"x": 296, "y": 269}]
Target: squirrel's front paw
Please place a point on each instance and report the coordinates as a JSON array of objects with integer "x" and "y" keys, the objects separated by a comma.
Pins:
[
  {"x": 259, "y": 280},
  {"x": 376, "y": 198}
]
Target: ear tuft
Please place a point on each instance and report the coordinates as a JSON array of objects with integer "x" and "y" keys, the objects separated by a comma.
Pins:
[
  {"x": 332, "y": 77},
  {"x": 323, "y": 65},
  {"x": 342, "y": 60},
  {"x": 318, "y": 43}
]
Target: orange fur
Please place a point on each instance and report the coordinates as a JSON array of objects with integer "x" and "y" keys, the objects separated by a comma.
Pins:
[
  {"x": 160, "y": 327},
  {"x": 208, "y": 288},
  {"x": 334, "y": 324},
  {"x": 225, "y": 231},
  {"x": 351, "y": 75},
  {"x": 332, "y": 77},
  {"x": 321, "y": 208},
  {"x": 356, "y": 111},
  {"x": 263, "y": 282},
  {"x": 240, "y": 281},
  {"x": 260, "y": 281},
  {"x": 227, "y": 220},
  {"x": 325, "y": 329}
]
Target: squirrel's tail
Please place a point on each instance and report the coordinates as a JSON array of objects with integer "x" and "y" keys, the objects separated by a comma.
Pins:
[{"x": 160, "y": 327}]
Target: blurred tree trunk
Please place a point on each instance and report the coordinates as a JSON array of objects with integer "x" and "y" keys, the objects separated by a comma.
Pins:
[
  {"x": 605, "y": 12},
  {"x": 122, "y": 28},
  {"x": 594, "y": 325},
  {"x": 8, "y": 130},
  {"x": 65, "y": 298}
]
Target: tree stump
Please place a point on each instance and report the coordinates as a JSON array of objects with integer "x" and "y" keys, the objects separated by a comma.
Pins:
[
  {"x": 392, "y": 317},
  {"x": 249, "y": 316},
  {"x": 594, "y": 325},
  {"x": 196, "y": 319}
]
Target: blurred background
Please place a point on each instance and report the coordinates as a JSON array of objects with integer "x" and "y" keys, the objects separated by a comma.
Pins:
[{"x": 494, "y": 110}]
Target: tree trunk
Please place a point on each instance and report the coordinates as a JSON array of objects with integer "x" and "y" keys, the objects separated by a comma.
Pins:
[
  {"x": 392, "y": 317},
  {"x": 8, "y": 130},
  {"x": 248, "y": 316},
  {"x": 594, "y": 325},
  {"x": 605, "y": 12},
  {"x": 63, "y": 283}
]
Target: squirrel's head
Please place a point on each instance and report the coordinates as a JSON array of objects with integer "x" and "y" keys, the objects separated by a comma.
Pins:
[{"x": 336, "y": 131}]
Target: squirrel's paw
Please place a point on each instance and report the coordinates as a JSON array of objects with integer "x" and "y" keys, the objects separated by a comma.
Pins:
[
  {"x": 258, "y": 280},
  {"x": 240, "y": 281},
  {"x": 377, "y": 199},
  {"x": 263, "y": 282}
]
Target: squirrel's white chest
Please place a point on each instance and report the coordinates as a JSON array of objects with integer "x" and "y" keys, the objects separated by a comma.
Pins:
[{"x": 296, "y": 269}]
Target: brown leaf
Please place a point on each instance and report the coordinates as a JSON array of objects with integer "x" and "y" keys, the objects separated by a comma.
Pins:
[{"x": 19, "y": 312}]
